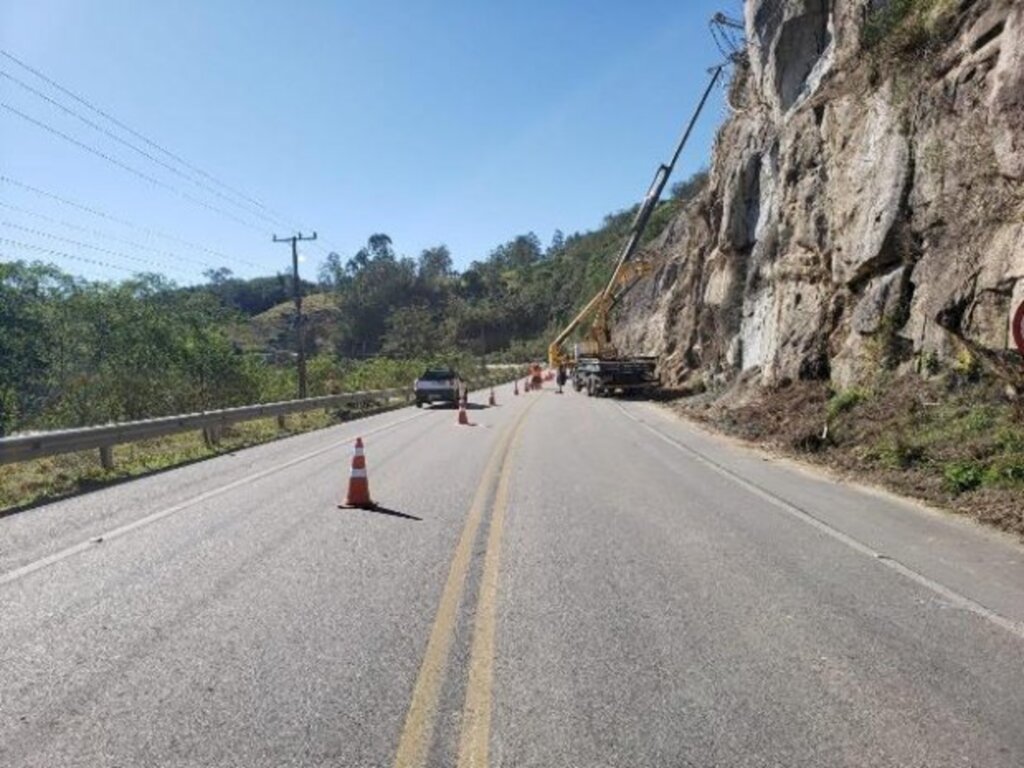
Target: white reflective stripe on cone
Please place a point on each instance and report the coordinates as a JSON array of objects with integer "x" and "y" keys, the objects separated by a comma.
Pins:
[
  {"x": 358, "y": 473},
  {"x": 359, "y": 451}
]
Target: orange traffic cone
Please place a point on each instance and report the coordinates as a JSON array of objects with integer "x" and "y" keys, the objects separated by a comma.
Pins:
[
  {"x": 491, "y": 401},
  {"x": 358, "y": 495},
  {"x": 515, "y": 387},
  {"x": 463, "y": 417}
]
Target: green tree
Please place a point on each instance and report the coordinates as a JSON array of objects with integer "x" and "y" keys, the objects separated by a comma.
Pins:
[
  {"x": 412, "y": 332},
  {"x": 435, "y": 265},
  {"x": 687, "y": 189},
  {"x": 332, "y": 272},
  {"x": 27, "y": 341}
]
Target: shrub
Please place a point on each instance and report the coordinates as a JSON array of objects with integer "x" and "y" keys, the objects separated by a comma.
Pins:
[
  {"x": 841, "y": 402},
  {"x": 896, "y": 452},
  {"x": 930, "y": 362},
  {"x": 906, "y": 26},
  {"x": 967, "y": 366},
  {"x": 961, "y": 476},
  {"x": 1006, "y": 471},
  {"x": 979, "y": 419},
  {"x": 1010, "y": 440}
]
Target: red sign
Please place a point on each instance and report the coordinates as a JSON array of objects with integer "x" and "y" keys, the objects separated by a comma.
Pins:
[{"x": 1018, "y": 327}]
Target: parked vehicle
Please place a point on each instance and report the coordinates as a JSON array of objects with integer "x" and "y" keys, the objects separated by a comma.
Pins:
[
  {"x": 633, "y": 375},
  {"x": 437, "y": 385}
]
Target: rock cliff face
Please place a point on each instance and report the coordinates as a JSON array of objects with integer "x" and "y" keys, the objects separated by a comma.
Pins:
[{"x": 866, "y": 201}]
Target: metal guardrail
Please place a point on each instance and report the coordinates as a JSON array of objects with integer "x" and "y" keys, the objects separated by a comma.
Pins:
[{"x": 106, "y": 436}]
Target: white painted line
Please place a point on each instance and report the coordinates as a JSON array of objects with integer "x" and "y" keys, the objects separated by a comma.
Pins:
[
  {"x": 71, "y": 551},
  {"x": 957, "y": 599}
]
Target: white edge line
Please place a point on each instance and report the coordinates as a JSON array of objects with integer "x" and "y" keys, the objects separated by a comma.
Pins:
[
  {"x": 959, "y": 600},
  {"x": 75, "y": 549}
]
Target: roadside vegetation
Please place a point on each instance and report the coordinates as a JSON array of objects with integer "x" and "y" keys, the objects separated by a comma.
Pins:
[
  {"x": 76, "y": 352},
  {"x": 950, "y": 437},
  {"x": 52, "y": 477}
]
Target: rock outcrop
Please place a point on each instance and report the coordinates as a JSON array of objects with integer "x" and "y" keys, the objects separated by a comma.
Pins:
[{"x": 866, "y": 199}]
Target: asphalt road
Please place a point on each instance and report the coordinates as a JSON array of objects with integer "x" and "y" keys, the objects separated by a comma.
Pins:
[{"x": 568, "y": 582}]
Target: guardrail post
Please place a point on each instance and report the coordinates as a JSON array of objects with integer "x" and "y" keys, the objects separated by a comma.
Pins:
[
  {"x": 211, "y": 435},
  {"x": 107, "y": 456}
]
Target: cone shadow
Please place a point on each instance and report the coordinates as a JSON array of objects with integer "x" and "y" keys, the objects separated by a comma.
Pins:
[{"x": 383, "y": 511}]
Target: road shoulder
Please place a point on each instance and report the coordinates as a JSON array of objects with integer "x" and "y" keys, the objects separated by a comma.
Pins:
[{"x": 981, "y": 564}]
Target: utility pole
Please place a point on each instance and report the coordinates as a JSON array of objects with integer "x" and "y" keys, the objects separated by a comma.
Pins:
[{"x": 300, "y": 331}]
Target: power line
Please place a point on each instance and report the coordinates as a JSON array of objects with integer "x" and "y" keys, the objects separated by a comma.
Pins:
[
  {"x": 149, "y": 156},
  {"x": 62, "y": 254},
  {"x": 80, "y": 244},
  {"x": 134, "y": 171},
  {"x": 280, "y": 217},
  {"x": 124, "y": 222},
  {"x": 105, "y": 235},
  {"x": 84, "y": 102},
  {"x": 268, "y": 214}
]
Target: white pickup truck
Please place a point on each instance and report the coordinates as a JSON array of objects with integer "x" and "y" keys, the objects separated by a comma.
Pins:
[{"x": 437, "y": 385}]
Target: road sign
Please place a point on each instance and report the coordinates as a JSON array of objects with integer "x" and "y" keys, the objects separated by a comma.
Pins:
[{"x": 1018, "y": 327}]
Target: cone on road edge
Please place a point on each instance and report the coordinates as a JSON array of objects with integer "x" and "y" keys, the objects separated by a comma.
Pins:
[
  {"x": 515, "y": 387},
  {"x": 358, "y": 496},
  {"x": 491, "y": 401},
  {"x": 463, "y": 416}
]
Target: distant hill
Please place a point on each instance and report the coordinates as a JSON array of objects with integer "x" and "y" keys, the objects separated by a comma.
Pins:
[{"x": 274, "y": 329}]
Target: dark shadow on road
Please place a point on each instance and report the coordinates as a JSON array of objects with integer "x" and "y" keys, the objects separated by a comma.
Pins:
[
  {"x": 382, "y": 511},
  {"x": 454, "y": 406}
]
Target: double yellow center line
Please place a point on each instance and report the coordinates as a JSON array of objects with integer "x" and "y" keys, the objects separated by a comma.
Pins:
[{"x": 417, "y": 733}]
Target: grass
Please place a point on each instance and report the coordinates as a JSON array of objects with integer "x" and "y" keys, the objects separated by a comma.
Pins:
[
  {"x": 907, "y": 26},
  {"x": 841, "y": 402},
  {"x": 972, "y": 445},
  {"x": 963, "y": 448},
  {"x": 953, "y": 440},
  {"x": 896, "y": 451}
]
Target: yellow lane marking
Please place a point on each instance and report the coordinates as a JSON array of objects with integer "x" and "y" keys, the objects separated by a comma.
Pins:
[
  {"x": 417, "y": 733},
  {"x": 476, "y": 715}
]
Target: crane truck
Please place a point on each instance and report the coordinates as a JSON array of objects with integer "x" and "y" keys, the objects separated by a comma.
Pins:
[{"x": 596, "y": 366}]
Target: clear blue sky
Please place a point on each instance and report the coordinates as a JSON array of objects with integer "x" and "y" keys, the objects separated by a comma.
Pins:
[{"x": 453, "y": 122}]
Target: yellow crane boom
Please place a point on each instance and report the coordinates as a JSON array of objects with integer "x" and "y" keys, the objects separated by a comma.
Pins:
[{"x": 628, "y": 270}]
